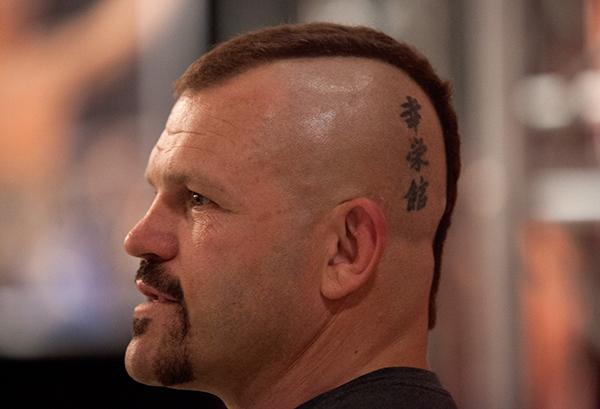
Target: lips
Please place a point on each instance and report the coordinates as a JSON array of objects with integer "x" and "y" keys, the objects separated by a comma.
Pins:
[{"x": 153, "y": 294}]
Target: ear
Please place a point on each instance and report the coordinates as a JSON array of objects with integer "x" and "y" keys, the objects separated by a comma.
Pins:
[{"x": 357, "y": 244}]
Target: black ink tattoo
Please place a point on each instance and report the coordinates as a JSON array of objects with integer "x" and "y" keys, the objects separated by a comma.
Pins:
[
  {"x": 411, "y": 114},
  {"x": 416, "y": 197},
  {"x": 415, "y": 156}
]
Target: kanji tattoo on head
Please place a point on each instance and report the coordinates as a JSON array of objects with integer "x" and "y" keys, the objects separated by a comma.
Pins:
[
  {"x": 411, "y": 114},
  {"x": 416, "y": 197},
  {"x": 416, "y": 155}
]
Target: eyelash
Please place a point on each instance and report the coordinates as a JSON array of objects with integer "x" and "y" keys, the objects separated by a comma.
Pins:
[{"x": 193, "y": 196}]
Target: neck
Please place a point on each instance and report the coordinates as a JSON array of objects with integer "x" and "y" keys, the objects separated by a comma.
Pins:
[{"x": 336, "y": 355}]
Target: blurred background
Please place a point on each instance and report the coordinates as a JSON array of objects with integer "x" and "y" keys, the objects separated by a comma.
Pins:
[{"x": 85, "y": 88}]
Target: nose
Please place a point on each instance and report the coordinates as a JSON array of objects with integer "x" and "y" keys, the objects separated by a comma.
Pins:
[{"x": 154, "y": 235}]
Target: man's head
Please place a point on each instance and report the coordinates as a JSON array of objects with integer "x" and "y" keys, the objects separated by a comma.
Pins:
[{"x": 304, "y": 181}]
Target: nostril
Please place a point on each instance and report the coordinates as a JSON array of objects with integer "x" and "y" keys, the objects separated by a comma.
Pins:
[{"x": 151, "y": 258}]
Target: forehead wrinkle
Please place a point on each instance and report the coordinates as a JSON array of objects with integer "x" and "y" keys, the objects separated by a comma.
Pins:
[
  {"x": 195, "y": 115},
  {"x": 169, "y": 170},
  {"x": 203, "y": 133},
  {"x": 218, "y": 118},
  {"x": 183, "y": 146},
  {"x": 180, "y": 178}
]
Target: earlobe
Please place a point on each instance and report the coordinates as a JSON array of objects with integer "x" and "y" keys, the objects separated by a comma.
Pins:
[{"x": 360, "y": 236}]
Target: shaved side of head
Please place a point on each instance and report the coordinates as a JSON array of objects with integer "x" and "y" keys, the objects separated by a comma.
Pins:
[{"x": 363, "y": 116}]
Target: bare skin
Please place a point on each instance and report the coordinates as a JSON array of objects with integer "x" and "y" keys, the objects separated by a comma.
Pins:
[{"x": 304, "y": 269}]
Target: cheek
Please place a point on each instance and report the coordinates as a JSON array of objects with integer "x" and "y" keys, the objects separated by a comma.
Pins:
[
  {"x": 220, "y": 265},
  {"x": 238, "y": 288},
  {"x": 241, "y": 266},
  {"x": 231, "y": 240},
  {"x": 253, "y": 253}
]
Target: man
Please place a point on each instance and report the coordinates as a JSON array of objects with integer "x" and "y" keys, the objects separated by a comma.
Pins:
[{"x": 291, "y": 256}]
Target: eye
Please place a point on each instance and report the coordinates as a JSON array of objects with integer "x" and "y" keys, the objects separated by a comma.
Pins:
[{"x": 196, "y": 199}]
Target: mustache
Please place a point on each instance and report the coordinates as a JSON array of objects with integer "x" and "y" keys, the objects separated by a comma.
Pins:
[{"x": 155, "y": 275}]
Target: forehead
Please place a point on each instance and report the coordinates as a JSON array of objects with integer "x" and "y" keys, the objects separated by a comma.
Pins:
[{"x": 218, "y": 132}]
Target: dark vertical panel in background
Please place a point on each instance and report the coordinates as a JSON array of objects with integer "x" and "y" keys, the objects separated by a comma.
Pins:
[
  {"x": 234, "y": 17},
  {"x": 213, "y": 13}
]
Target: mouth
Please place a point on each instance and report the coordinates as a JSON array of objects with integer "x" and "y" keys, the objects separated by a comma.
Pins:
[{"x": 153, "y": 295}]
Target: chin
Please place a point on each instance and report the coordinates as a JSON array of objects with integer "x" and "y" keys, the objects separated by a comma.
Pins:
[
  {"x": 159, "y": 363},
  {"x": 139, "y": 364}
]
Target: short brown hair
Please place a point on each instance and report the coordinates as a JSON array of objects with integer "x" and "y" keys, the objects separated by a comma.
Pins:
[{"x": 241, "y": 53}]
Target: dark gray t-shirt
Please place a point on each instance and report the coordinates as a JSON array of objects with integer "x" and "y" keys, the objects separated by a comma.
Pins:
[{"x": 387, "y": 388}]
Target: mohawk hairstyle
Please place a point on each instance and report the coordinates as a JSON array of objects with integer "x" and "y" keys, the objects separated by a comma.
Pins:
[{"x": 247, "y": 51}]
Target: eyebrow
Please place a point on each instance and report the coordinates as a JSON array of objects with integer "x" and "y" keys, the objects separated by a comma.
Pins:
[
  {"x": 180, "y": 178},
  {"x": 174, "y": 178}
]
